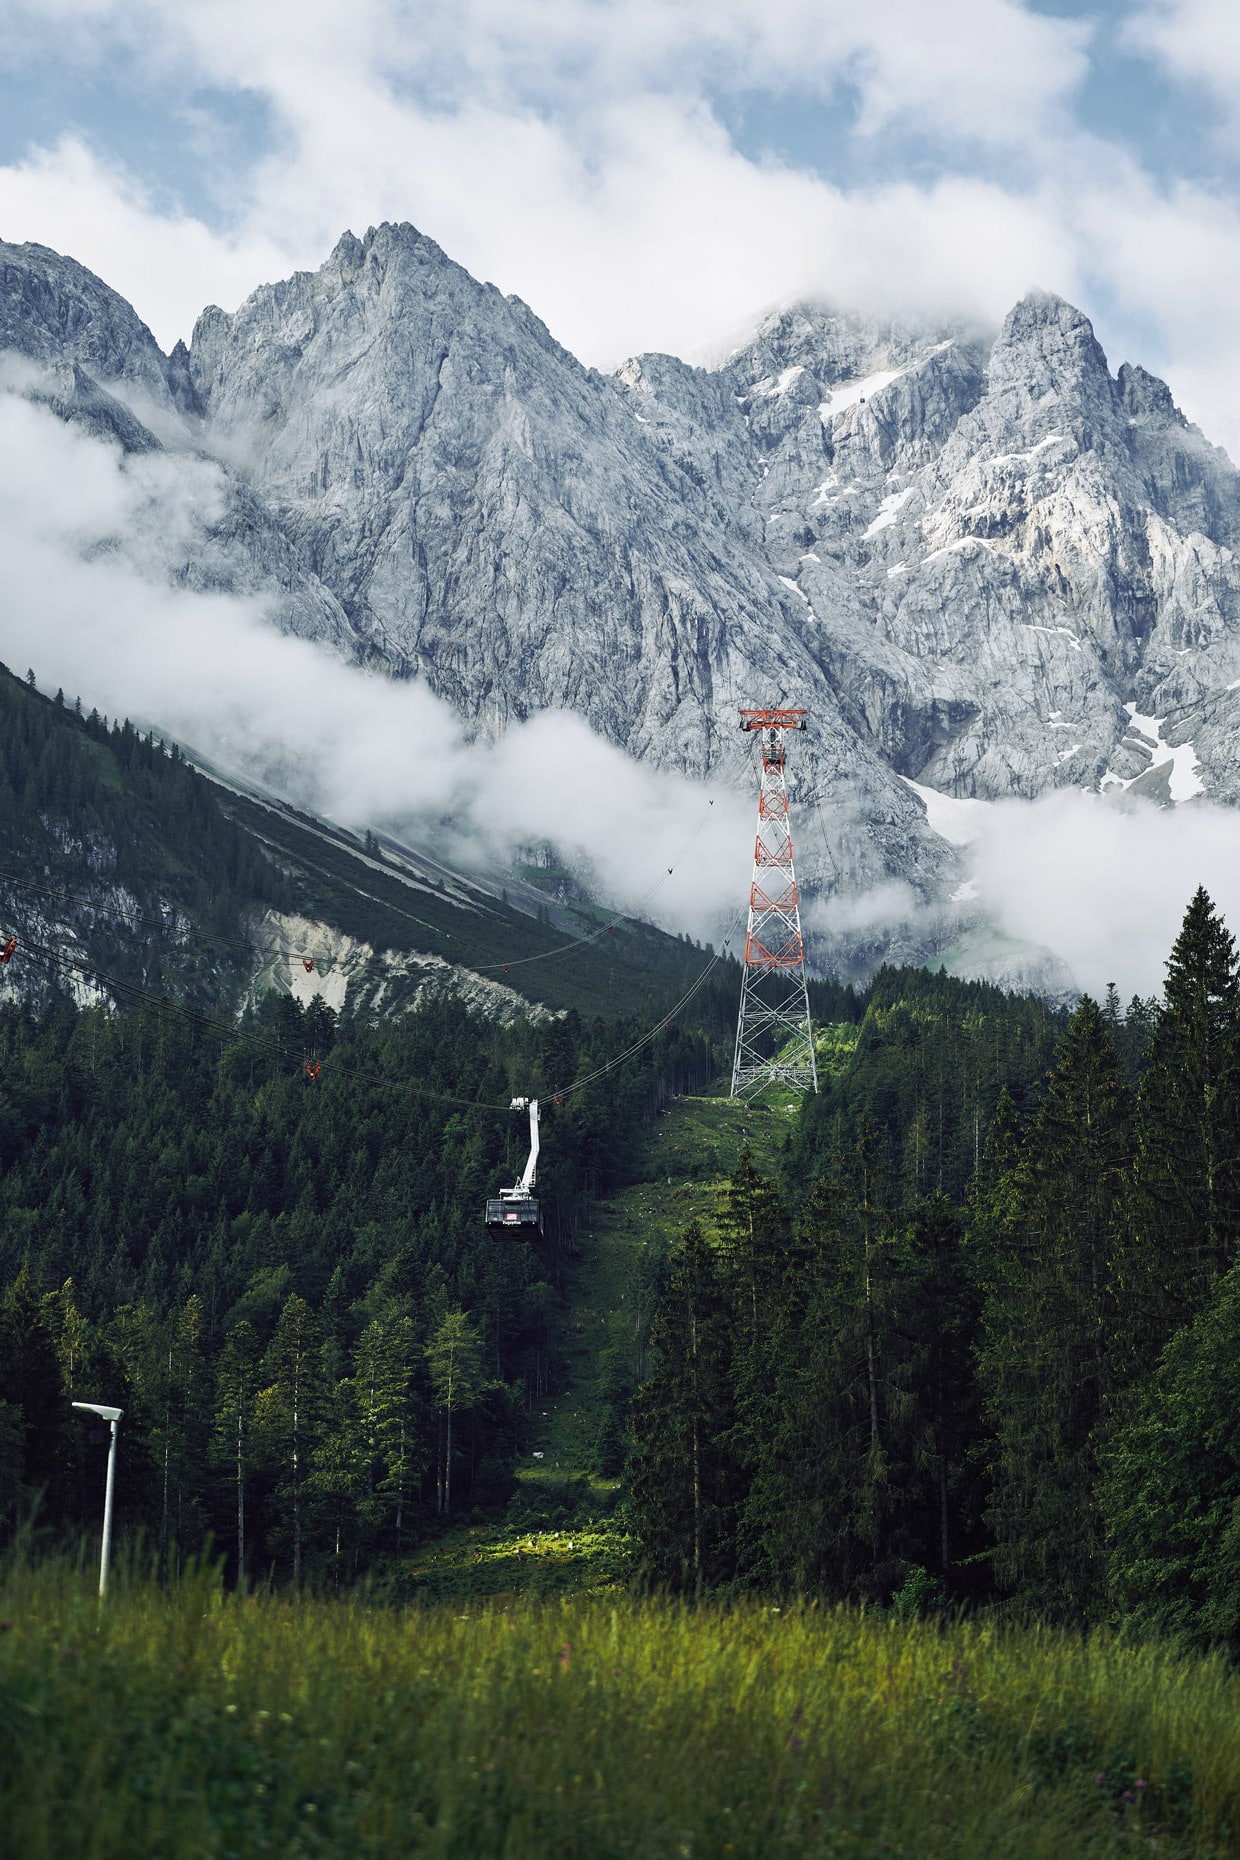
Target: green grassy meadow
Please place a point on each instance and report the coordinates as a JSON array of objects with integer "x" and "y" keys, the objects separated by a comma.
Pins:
[{"x": 191, "y": 1722}]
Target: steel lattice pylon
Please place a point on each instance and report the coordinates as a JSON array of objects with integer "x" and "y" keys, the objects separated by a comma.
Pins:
[{"x": 774, "y": 1035}]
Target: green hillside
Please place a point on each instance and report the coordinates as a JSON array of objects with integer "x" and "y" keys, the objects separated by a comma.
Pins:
[{"x": 150, "y": 866}]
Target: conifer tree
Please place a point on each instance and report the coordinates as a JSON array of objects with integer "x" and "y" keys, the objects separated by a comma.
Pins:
[
  {"x": 454, "y": 1358},
  {"x": 236, "y": 1398},
  {"x": 1054, "y": 1347},
  {"x": 30, "y": 1383},
  {"x": 842, "y": 1490},
  {"x": 393, "y": 1440},
  {"x": 1171, "y": 1492},
  {"x": 682, "y": 1474},
  {"x": 1187, "y": 1174},
  {"x": 289, "y": 1408}
]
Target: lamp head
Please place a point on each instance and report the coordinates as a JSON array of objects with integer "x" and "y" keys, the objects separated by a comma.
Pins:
[{"x": 105, "y": 1414}]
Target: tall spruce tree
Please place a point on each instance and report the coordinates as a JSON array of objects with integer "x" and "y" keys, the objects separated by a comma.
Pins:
[
  {"x": 232, "y": 1443},
  {"x": 682, "y": 1475},
  {"x": 1054, "y": 1344},
  {"x": 288, "y": 1418},
  {"x": 1187, "y": 1177},
  {"x": 866, "y": 1448},
  {"x": 1171, "y": 1492},
  {"x": 454, "y": 1359}
]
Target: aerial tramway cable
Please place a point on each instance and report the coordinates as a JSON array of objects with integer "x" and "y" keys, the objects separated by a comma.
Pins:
[
  {"x": 230, "y": 1033},
  {"x": 134, "y": 914}
]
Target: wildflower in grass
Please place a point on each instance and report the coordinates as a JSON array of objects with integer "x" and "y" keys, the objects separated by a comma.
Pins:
[{"x": 566, "y": 1654}]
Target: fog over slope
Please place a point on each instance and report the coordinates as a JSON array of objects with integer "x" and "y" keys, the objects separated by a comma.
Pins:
[{"x": 378, "y": 540}]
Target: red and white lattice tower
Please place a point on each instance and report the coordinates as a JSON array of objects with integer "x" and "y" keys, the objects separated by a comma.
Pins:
[{"x": 774, "y": 1036}]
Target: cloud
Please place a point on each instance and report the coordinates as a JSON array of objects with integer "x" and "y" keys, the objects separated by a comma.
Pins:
[
  {"x": 1197, "y": 41},
  {"x": 89, "y": 541},
  {"x": 571, "y": 153},
  {"x": 576, "y": 155},
  {"x": 1102, "y": 881}
]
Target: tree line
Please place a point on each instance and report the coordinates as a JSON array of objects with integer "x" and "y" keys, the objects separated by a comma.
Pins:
[{"x": 970, "y": 1351}]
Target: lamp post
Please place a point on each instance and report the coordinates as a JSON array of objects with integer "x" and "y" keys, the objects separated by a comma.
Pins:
[{"x": 113, "y": 1415}]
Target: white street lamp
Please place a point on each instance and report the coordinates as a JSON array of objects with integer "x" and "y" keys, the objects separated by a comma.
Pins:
[{"x": 113, "y": 1415}]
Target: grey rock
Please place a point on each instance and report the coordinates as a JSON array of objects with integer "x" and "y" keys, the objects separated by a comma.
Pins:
[
  {"x": 972, "y": 555},
  {"x": 54, "y": 311},
  {"x": 523, "y": 533}
]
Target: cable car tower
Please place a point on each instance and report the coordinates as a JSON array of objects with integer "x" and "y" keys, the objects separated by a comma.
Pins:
[{"x": 774, "y": 1034}]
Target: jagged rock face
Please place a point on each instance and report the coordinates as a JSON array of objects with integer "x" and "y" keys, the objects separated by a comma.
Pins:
[
  {"x": 54, "y": 311},
  {"x": 515, "y": 529},
  {"x": 353, "y": 978},
  {"x": 985, "y": 563},
  {"x": 1004, "y": 549},
  {"x": 98, "y": 367}
]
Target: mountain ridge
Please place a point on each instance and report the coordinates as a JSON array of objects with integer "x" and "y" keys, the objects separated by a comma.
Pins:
[{"x": 972, "y": 556}]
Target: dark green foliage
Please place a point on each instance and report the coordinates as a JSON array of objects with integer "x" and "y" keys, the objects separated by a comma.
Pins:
[
  {"x": 683, "y": 1472},
  {"x": 259, "y": 1268},
  {"x": 932, "y": 1057},
  {"x": 937, "y": 1371},
  {"x": 1171, "y": 1496},
  {"x": 106, "y": 814},
  {"x": 1054, "y": 1345},
  {"x": 158, "y": 869},
  {"x": 1187, "y": 1178}
]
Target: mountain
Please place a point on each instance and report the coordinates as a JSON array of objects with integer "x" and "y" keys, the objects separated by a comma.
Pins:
[
  {"x": 985, "y": 564},
  {"x": 126, "y": 874}
]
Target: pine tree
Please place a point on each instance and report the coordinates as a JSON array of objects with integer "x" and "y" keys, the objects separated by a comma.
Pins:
[
  {"x": 289, "y": 1413},
  {"x": 31, "y": 1385},
  {"x": 1171, "y": 1492},
  {"x": 1054, "y": 1347},
  {"x": 843, "y": 1489},
  {"x": 393, "y": 1436},
  {"x": 1188, "y": 1166},
  {"x": 236, "y": 1397},
  {"x": 682, "y": 1474}
]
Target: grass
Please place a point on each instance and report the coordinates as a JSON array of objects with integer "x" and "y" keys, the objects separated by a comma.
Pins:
[
  {"x": 523, "y": 1557},
  {"x": 198, "y": 1724},
  {"x": 610, "y": 1291},
  {"x": 560, "y": 1536}
]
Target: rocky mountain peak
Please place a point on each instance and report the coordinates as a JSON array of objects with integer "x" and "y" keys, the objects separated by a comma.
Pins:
[
  {"x": 968, "y": 553},
  {"x": 55, "y": 312},
  {"x": 1048, "y": 366}
]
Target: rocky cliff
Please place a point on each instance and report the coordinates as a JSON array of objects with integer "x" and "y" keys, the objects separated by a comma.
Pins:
[{"x": 987, "y": 565}]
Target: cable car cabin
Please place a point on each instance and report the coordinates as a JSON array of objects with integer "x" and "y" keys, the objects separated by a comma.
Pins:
[
  {"x": 514, "y": 1214},
  {"x": 514, "y": 1217}
]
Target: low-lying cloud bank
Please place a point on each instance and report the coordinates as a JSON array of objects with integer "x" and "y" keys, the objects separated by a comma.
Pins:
[
  {"x": 90, "y": 542},
  {"x": 1104, "y": 880}
]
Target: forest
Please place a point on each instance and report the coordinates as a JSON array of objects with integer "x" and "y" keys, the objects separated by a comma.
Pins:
[
  {"x": 266, "y": 1243},
  {"x": 967, "y": 1359},
  {"x": 971, "y": 1341}
]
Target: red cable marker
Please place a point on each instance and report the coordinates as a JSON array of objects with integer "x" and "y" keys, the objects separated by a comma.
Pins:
[
  {"x": 7, "y": 952},
  {"x": 307, "y": 963},
  {"x": 312, "y": 1072}
]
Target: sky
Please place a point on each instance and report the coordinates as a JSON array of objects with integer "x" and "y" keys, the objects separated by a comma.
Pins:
[{"x": 655, "y": 173}]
